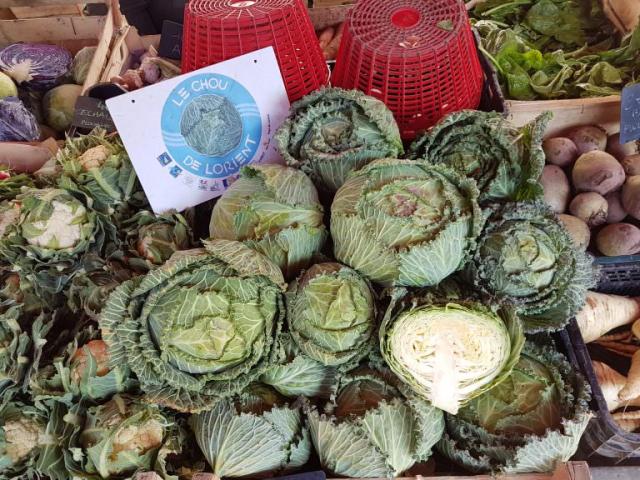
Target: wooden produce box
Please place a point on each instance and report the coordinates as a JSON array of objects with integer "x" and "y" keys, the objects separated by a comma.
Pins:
[
  {"x": 603, "y": 111},
  {"x": 60, "y": 22},
  {"x": 124, "y": 46}
]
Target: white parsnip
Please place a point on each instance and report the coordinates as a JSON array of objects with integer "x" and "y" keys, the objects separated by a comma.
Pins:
[
  {"x": 602, "y": 313},
  {"x": 632, "y": 386},
  {"x": 611, "y": 382}
]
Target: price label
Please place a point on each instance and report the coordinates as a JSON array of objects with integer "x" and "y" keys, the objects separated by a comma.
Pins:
[
  {"x": 171, "y": 40},
  {"x": 91, "y": 113},
  {"x": 630, "y": 114}
]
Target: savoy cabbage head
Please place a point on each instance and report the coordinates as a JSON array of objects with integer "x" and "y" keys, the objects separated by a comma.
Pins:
[
  {"x": 405, "y": 223},
  {"x": 373, "y": 426},
  {"x": 530, "y": 422},
  {"x": 331, "y": 314},
  {"x": 253, "y": 433},
  {"x": 274, "y": 210},
  {"x": 200, "y": 327},
  {"x": 505, "y": 161},
  {"x": 332, "y": 132},
  {"x": 449, "y": 350},
  {"x": 526, "y": 258}
]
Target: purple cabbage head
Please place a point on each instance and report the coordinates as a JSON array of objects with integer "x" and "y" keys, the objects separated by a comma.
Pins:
[
  {"x": 34, "y": 65},
  {"x": 17, "y": 124}
]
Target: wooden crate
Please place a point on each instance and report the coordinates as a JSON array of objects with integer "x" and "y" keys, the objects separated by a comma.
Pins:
[
  {"x": 72, "y": 32},
  {"x": 603, "y": 111},
  {"x": 128, "y": 42}
]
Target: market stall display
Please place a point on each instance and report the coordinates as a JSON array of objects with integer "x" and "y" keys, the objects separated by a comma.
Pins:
[{"x": 396, "y": 297}]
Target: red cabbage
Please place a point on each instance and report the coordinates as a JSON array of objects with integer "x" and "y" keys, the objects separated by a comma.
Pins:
[
  {"x": 17, "y": 124},
  {"x": 38, "y": 66}
]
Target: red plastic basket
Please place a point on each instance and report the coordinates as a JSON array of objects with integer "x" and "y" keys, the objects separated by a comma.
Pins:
[
  {"x": 417, "y": 56},
  {"x": 217, "y": 30}
]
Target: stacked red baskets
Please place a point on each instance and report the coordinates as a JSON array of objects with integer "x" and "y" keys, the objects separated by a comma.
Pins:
[
  {"x": 217, "y": 30},
  {"x": 417, "y": 56}
]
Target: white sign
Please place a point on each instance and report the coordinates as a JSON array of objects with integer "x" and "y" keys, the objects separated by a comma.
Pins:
[{"x": 188, "y": 137}]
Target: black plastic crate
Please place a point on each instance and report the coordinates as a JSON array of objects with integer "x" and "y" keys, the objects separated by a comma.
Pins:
[
  {"x": 604, "y": 443},
  {"x": 619, "y": 275}
]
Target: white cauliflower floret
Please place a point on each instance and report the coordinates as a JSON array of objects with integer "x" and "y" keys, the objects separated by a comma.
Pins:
[{"x": 62, "y": 229}]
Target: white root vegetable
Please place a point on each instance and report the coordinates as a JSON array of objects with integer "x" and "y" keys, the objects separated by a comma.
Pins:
[
  {"x": 579, "y": 231},
  {"x": 616, "y": 212},
  {"x": 597, "y": 172},
  {"x": 631, "y": 196},
  {"x": 611, "y": 382},
  {"x": 560, "y": 151},
  {"x": 627, "y": 421},
  {"x": 631, "y": 388},
  {"x": 618, "y": 239},
  {"x": 592, "y": 208},
  {"x": 602, "y": 313},
  {"x": 556, "y": 188}
]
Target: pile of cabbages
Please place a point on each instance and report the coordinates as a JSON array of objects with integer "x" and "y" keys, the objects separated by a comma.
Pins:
[
  {"x": 39, "y": 86},
  {"x": 359, "y": 308}
]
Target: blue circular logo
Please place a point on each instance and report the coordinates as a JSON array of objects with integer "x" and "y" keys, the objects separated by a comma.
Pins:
[{"x": 211, "y": 126}]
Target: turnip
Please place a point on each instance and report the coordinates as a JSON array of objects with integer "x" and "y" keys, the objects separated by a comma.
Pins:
[
  {"x": 619, "y": 239},
  {"x": 631, "y": 196},
  {"x": 631, "y": 165},
  {"x": 620, "y": 150},
  {"x": 592, "y": 208},
  {"x": 588, "y": 138},
  {"x": 556, "y": 188},
  {"x": 597, "y": 172},
  {"x": 616, "y": 212},
  {"x": 579, "y": 231},
  {"x": 560, "y": 151}
]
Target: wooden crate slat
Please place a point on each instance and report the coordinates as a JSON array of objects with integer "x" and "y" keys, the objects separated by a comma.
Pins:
[
  {"x": 43, "y": 3},
  {"x": 47, "y": 11},
  {"x": 50, "y": 29}
]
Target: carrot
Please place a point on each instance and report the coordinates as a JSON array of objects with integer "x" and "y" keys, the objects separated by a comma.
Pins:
[
  {"x": 611, "y": 382},
  {"x": 331, "y": 52},
  {"x": 326, "y": 36},
  {"x": 602, "y": 313},
  {"x": 632, "y": 386}
]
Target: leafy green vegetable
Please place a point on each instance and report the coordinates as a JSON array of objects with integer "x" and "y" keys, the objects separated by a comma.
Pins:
[
  {"x": 48, "y": 233},
  {"x": 548, "y": 49},
  {"x": 252, "y": 433},
  {"x": 449, "y": 351},
  {"x": 11, "y": 183},
  {"x": 526, "y": 258},
  {"x": 331, "y": 132},
  {"x": 198, "y": 328},
  {"x": 274, "y": 210},
  {"x": 528, "y": 423},
  {"x": 118, "y": 437},
  {"x": 82, "y": 370},
  {"x": 399, "y": 222},
  {"x": 505, "y": 161},
  {"x": 331, "y": 314},
  {"x": 98, "y": 166},
  {"x": 296, "y": 374},
  {"x": 373, "y": 426},
  {"x": 152, "y": 239}
]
